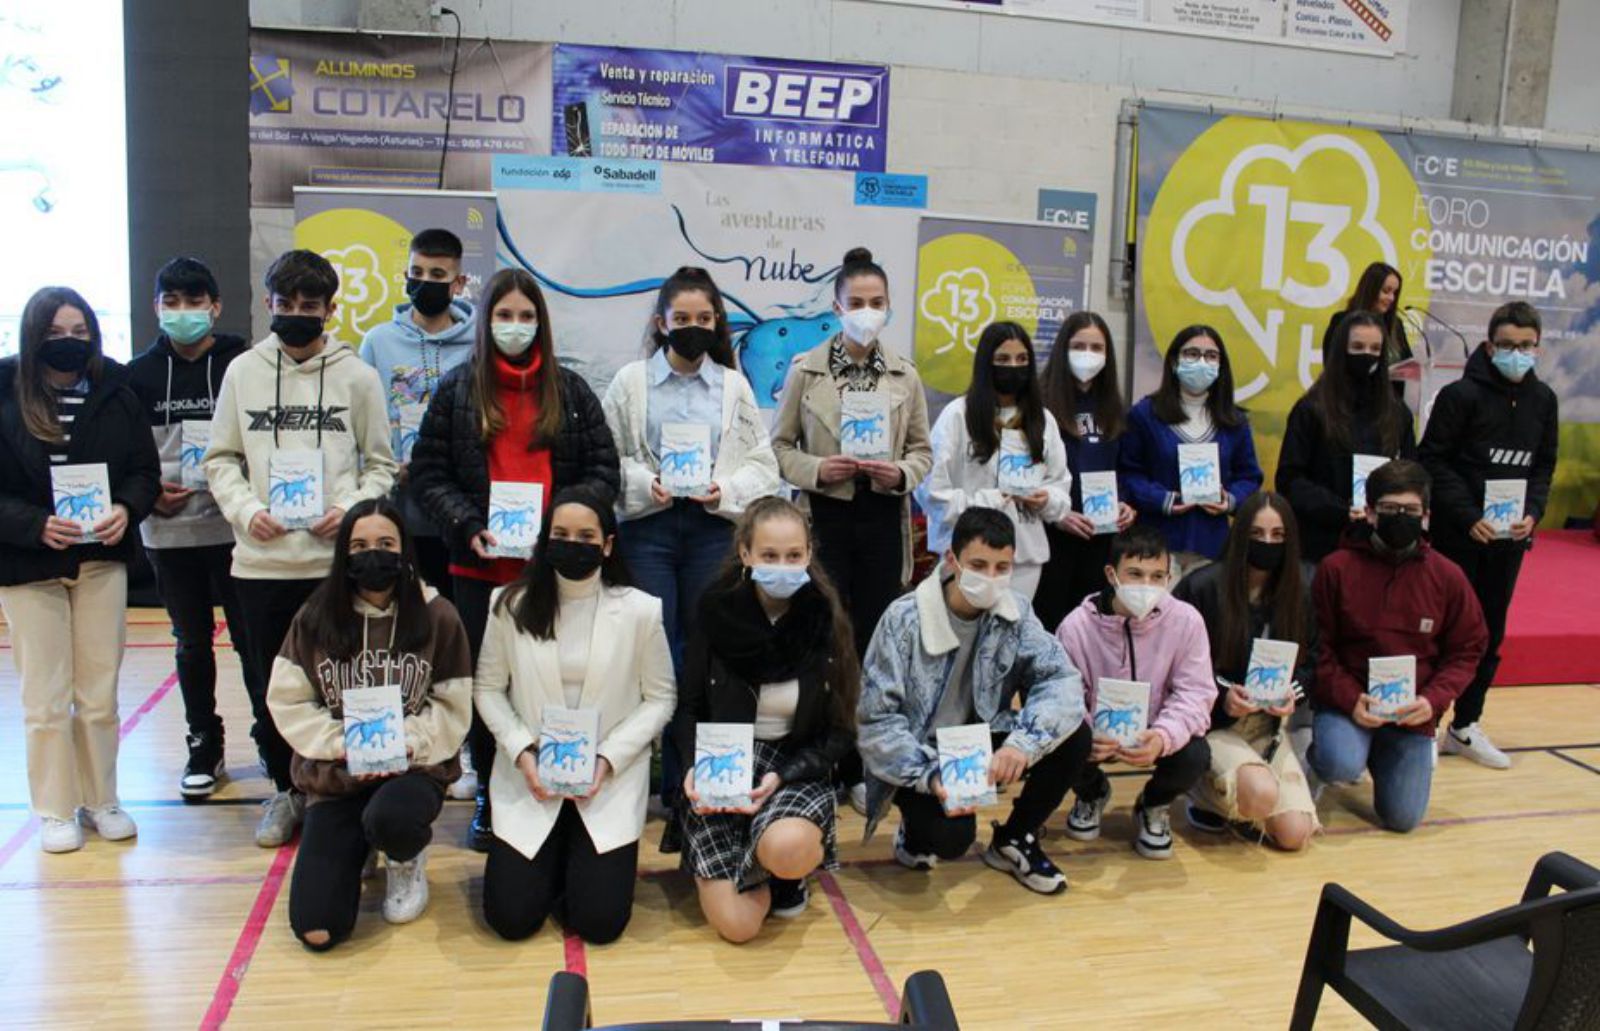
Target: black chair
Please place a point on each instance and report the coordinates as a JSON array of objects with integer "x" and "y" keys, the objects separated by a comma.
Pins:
[
  {"x": 1532, "y": 965},
  {"x": 925, "y": 1006}
]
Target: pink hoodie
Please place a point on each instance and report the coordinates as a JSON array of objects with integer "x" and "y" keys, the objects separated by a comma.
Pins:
[{"x": 1168, "y": 649}]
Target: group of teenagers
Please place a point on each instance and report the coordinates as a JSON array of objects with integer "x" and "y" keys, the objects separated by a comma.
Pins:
[{"x": 738, "y": 605}]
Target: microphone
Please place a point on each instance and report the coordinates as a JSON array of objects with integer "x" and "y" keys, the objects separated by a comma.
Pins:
[{"x": 1466, "y": 347}]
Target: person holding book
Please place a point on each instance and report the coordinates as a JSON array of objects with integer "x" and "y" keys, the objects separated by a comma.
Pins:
[
  {"x": 187, "y": 539},
  {"x": 772, "y": 650},
  {"x": 300, "y": 426},
  {"x": 999, "y": 447},
  {"x": 1079, "y": 387},
  {"x": 1192, "y": 413},
  {"x": 432, "y": 332},
  {"x": 1348, "y": 423},
  {"x": 373, "y": 624},
  {"x": 575, "y": 678},
  {"x": 511, "y": 415},
  {"x": 963, "y": 649},
  {"x": 1259, "y": 589},
  {"x": 1498, "y": 427},
  {"x": 1387, "y": 593},
  {"x": 1134, "y": 632},
  {"x": 1377, "y": 292},
  {"x": 75, "y": 453}
]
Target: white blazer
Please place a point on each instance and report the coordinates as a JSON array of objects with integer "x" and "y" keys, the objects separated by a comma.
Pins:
[
  {"x": 629, "y": 680},
  {"x": 745, "y": 469},
  {"x": 957, "y": 482}
]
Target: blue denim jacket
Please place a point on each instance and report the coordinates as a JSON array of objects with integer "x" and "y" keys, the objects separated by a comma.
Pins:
[{"x": 908, "y": 664}]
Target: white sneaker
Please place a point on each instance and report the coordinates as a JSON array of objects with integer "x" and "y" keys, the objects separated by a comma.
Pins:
[
  {"x": 109, "y": 821},
  {"x": 465, "y": 787},
  {"x": 1473, "y": 743},
  {"x": 59, "y": 835},
  {"x": 282, "y": 814},
  {"x": 406, "y": 894},
  {"x": 858, "y": 798}
]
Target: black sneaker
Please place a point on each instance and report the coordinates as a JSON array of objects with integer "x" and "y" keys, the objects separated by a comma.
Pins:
[
  {"x": 480, "y": 834},
  {"x": 671, "y": 834},
  {"x": 205, "y": 766},
  {"x": 1206, "y": 821},
  {"x": 1154, "y": 823},
  {"x": 789, "y": 898},
  {"x": 1022, "y": 858}
]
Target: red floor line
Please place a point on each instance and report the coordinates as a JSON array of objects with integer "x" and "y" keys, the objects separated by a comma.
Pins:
[
  {"x": 577, "y": 958},
  {"x": 857, "y": 936},
  {"x": 130, "y": 882},
  {"x": 249, "y": 937}
]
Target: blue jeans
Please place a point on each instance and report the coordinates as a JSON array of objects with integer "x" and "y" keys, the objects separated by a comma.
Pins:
[
  {"x": 1401, "y": 762},
  {"x": 673, "y": 555}
]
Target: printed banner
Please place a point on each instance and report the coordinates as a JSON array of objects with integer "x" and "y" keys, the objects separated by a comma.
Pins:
[
  {"x": 366, "y": 234},
  {"x": 771, "y": 238},
  {"x": 1379, "y": 24},
  {"x": 1261, "y": 228},
  {"x": 669, "y": 105},
  {"x": 973, "y": 272},
  {"x": 357, "y": 109}
]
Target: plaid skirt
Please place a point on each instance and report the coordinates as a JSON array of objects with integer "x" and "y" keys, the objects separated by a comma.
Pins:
[{"x": 722, "y": 846}]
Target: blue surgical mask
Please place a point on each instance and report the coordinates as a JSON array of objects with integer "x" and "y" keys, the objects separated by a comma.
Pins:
[
  {"x": 1513, "y": 365},
  {"x": 185, "y": 326},
  {"x": 780, "y": 581},
  {"x": 1197, "y": 377}
]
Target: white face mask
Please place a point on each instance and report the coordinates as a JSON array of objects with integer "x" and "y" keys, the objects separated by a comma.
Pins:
[
  {"x": 514, "y": 338},
  {"x": 1086, "y": 365},
  {"x": 982, "y": 592},
  {"x": 862, "y": 325},
  {"x": 1140, "y": 599}
]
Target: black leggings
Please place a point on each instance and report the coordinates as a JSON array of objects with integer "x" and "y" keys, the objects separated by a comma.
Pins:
[
  {"x": 193, "y": 582},
  {"x": 472, "y": 604},
  {"x": 1174, "y": 774},
  {"x": 394, "y": 816},
  {"x": 1493, "y": 569},
  {"x": 590, "y": 892},
  {"x": 928, "y": 829},
  {"x": 269, "y": 606}
]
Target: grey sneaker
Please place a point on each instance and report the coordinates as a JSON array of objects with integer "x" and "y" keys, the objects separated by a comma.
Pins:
[
  {"x": 406, "y": 894},
  {"x": 281, "y": 815},
  {"x": 1154, "y": 840},
  {"x": 1083, "y": 823}
]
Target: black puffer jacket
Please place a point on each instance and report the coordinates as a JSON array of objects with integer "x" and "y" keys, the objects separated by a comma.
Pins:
[
  {"x": 111, "y": 428},
  {"x": 1485, "y": 427},
  {"x": 450, "y": 463}
]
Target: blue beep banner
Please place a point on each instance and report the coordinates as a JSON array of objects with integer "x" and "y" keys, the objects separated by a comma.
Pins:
[{"x": 667, "y": 105}]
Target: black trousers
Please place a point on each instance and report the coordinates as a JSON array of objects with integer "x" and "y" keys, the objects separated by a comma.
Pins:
[
  {"x": 433, "y": 562},
  {"x": 269, "y": 606},
  {"x": 394, "y": 816},
  {"x": 1174, "y": 774},
  {"x": 590, "y": 892},
  {"x": 929, "y": 829},
  {"x": 193, "y": 582},
  {"x": 1493, "y": 570},
  {"x": 1077, "y": 569},
  {"x": 858, "y": 544},
  {"x": 472, "y": 605}
]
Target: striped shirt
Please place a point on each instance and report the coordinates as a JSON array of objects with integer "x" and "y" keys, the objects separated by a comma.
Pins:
[{"x": 69, "y": 403}]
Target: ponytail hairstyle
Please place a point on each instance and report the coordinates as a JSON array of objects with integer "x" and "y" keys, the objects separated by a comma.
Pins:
[
  {"x": 982, "y": 407},
  {"x": 1059, "y": 387},
  {"x": 692, "y": 279},
  {"x": 533, "y": 598},
  {"x": 1285, "y": 594},
  {"x": 35, "y": 400},
  {"x": 329, "y": 618},
  {"x": 857, "y": 263}
]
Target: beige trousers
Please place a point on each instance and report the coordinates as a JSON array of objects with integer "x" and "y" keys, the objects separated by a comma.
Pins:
[{"x": 67, "y": 638}]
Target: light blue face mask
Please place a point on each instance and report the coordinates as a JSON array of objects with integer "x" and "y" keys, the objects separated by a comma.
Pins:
[
  {"x": 1513, "y": 365},
  {"x": 780, "y": 581},
  {"x": 185, "y": 326},
  {"x": 1197, "y": 377}
]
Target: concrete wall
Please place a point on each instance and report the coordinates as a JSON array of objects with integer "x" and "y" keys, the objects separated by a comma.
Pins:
[{"x": 1573, "y": 103}]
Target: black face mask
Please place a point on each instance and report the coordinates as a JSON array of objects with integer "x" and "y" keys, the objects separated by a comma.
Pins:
[
  {"x": 575, "y": 560},
  {"x": 429, "y": 296},
  {"x": 1011, "y": 379},
  {"x": 1399, "y": 531},
  {"x": 1360, "y": 367},
  {"x": 690, "y": 342},
  {"x": 297, "y": 330},
  {"x": 65, "y": 354},
  {"x": 1266, "y": 556},
  {"x": 375, "y": 570}
]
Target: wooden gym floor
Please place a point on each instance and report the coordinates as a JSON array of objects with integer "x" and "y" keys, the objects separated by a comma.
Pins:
[{"x": 188, "y": 925}]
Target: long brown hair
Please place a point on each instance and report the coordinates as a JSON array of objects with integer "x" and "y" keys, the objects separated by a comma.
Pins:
[
  {"x": 34, "y": 396},
  {"x": 1335, "y": 399},
  {"x": 1365, "y": 298},
  {"x": 485, "y": 394},
  {"x": 844, "y": 668},
  {"x": 1285, "y": 592},
  {"x": 1060, "y": 386}
]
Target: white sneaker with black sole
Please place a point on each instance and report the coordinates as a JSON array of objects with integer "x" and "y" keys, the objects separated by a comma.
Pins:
[
  {"x": 1154, "y": 823},
  {"x": 1022, "y": 858},
  {"x": 789, "y": 898},
  {"x": 1473, "y": 743},
  {"x": 1083, "y": 823},
  {"x": 908, "y": 859},
  {"x": 405, "y": 895}
]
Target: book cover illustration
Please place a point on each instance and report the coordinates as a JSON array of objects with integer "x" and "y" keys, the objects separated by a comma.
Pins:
[
  {"x": 1121, "y": 710},
  {"x": 964, "y": 754},
  {"x": 1100, "y": 504},
  {"x": 194, "y": 437},
  {"x": 1271, "y": 672},
  {"x": 294, "y": 488},
  {"x": 1391, "y": 684},
  {"x": 686, "y": 458},
  {"x": 1503, "y": 503},
  {"x": 516, "y": 511},
  {"x": 724, "y": 764},
  {"x": 864, "y": 424},
  {"x": 405, "y": 436},
  {"x": 374, "y": 730},
  {"x": 82, "y": 495},
  {"x": 567, "y": 742},
  {"x": 1361, "y": 467},
  {"x": 1199, "y": 474}
]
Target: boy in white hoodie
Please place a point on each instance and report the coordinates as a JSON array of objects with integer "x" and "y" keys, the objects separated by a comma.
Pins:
[{"x": 297, "y": 390}]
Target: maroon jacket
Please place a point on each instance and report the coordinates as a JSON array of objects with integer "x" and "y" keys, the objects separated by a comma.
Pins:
[{"x": 1368, "y": 605}]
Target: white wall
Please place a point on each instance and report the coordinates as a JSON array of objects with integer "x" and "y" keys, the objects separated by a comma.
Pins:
[{"x": 1574, "y": 101}]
